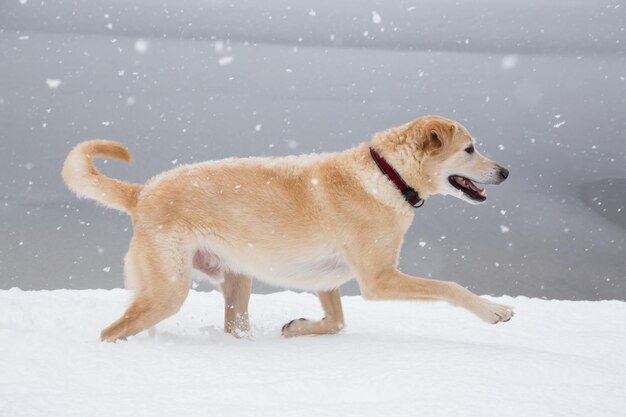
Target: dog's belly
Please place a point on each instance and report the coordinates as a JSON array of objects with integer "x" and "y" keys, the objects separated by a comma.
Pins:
[
  {"x": 210, "y": 265},
  {"x": 323, "y": 273},
  {"x": 317, "y": 274}
]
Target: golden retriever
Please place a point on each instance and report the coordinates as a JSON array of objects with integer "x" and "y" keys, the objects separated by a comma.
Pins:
[{"x": 309, "y": 222}]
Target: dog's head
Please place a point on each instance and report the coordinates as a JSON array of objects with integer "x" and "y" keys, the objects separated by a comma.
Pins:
[{"x": 438, "y": 156}]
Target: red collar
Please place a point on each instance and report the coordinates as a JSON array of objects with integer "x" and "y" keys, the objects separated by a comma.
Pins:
[{"x": 410, "y": 195}]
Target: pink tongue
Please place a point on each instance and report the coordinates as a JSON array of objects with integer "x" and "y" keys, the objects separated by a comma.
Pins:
[{"x": 472, "y": 186}]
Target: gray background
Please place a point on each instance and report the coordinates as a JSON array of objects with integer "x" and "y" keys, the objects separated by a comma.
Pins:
[{"x": 541, "y": 84}]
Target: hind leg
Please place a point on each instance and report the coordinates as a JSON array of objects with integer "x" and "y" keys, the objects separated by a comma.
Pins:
[
  {"x": 236, "y": 289},
  {"x": 160, "y": 275},
  {"x": 332, "y": 322}
]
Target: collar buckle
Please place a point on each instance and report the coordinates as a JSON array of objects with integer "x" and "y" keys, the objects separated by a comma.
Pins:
[{"x": 413, "y": 198}]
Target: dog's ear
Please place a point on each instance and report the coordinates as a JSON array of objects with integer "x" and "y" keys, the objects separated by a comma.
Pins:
[
  {"x": 433, "y": 141},
  {"x": 437, "y": 135}
]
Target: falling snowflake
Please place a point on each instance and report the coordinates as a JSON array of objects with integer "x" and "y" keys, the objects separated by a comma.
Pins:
[
  {"x": 509, "y": 62},
  {"x": 225, "y": 60},
  {"x": 141, "y": 46},
  {"x": 53, "y": 83}
]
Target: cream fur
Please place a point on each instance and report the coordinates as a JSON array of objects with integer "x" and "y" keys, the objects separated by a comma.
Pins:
[{"x": 309, "y": 222}]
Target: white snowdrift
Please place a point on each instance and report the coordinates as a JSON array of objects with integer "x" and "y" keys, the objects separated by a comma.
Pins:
[{"x": 393, "y": 359}]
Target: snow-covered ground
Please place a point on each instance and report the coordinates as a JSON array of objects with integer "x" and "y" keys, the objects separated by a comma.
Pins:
[{"x": 394, "y": 358}]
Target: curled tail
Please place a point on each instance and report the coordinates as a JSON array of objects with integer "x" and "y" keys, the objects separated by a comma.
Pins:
[{"x": 82, "y": 177}]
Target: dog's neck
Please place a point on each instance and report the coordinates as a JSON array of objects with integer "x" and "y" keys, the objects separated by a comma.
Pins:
[
  {"x": 410, "y": 195},
  {"x": 375, "y": 183}
]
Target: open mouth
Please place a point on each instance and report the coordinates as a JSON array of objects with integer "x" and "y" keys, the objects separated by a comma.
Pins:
[{"x": 468, "y": 187}]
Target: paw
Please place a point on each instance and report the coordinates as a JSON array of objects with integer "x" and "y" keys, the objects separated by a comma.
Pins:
[
  {"x": 495, "y": 313},
  {"x": 294, "y": 327},
  {"x": 110, "y": 335},
  {"x": 239, "y": 327},
  {"x": 242, "y": 332},
  {"x": 302, "y": 327}
]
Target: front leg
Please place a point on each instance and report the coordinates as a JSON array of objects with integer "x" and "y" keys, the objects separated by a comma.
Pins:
[
  {"x": 375, "y": 260},
  {"x": 394, "y": 285},
  {"x": 332, "y": 322}
]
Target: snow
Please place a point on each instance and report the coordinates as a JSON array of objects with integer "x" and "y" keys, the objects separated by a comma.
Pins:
[
  {"x": 53, "y": 83},
  {"x": 141, "y": 46},
  {"x": 509, "y": 62},
  {"x": 219, "y": 47},
  {"x": 225, "y": 60},
  {"x": 394, "y": 358},
  {"x": 376, "y": 19}
]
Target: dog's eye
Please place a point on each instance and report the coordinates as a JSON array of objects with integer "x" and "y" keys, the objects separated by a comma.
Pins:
[{"x": 470, "y": 149}]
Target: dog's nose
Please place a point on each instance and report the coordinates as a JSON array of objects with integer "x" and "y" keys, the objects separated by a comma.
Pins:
[{"x": 504, "y": 173}]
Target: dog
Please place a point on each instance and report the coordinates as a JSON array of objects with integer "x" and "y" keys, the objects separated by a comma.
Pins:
[{"x": 309, "y": 222}]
